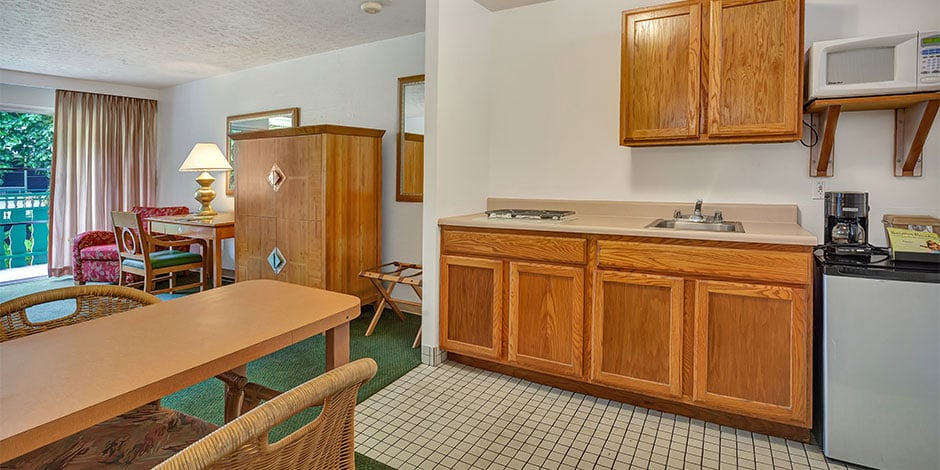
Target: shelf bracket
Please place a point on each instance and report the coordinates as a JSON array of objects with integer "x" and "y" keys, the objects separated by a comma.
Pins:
[
  {"x": 821, "y": 154},
  {"x": 911, "y": 126}
]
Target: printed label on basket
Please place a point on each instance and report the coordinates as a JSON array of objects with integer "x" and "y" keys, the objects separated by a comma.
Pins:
[{"x": 913, "y": 241}]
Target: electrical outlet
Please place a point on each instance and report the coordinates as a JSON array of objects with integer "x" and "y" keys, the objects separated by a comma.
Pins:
[{"x": 819, "y": 188}]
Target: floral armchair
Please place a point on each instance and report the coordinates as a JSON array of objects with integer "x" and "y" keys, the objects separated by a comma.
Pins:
[{"x": 95, "y": 255}]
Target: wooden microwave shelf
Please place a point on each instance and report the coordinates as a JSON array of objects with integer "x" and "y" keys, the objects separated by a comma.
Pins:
[{"x": 914, "y": 115}]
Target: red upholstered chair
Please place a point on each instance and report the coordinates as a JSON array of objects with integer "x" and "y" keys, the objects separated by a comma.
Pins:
[{"x": 95, "y": 254}]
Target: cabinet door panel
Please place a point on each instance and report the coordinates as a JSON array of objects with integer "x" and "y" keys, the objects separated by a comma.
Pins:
[
  {"x": 300, "y": 245},
  {"x": 754, "y": 60},
  {"x": 471, "y": 306},
  {"x": 300, "y": 195},
  {"x": 660, "y": 73},
  {"x": 255, "y": 196},
  {"x": 751, "y": 351},
  {"x": 255, "y": 237},
  {"x": 546, "y": 305},
  {"x": 637, "y": 340}
]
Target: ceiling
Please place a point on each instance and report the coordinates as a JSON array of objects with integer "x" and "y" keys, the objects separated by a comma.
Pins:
[
  {"x": 162, "y": 43},
  {"x": 497, "y": 5}
]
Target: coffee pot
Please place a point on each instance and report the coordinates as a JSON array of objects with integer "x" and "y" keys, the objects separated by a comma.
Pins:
[{"x": 846, "y": 230}]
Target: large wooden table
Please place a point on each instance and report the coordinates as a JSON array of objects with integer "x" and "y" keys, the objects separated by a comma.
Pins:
[
  {"x": 56, "y": 383},
  {"x": 213, "y": 230}
]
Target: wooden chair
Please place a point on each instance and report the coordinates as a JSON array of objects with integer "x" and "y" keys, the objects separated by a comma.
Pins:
[
  {"x": 139, "y": 438},
  {"x": 142, "y": 253},
  {"x": 324, "y": 443}
]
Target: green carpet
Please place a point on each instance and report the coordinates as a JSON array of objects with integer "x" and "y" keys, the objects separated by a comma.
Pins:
[{"x": 390, "y": 346}]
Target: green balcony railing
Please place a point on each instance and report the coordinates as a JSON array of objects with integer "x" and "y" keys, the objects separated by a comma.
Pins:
[{"x": 24, "y": 220}]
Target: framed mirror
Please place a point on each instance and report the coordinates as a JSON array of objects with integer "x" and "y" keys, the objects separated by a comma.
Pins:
[
  {"x": 275, "y": 119},
  {"x": 410, "y": 182}
]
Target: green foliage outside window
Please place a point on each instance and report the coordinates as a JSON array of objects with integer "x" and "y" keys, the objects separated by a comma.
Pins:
[{"x": 25, "y": 140}]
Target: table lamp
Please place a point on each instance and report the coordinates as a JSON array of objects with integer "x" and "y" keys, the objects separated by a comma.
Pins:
[{"x": 205, "y": 158}]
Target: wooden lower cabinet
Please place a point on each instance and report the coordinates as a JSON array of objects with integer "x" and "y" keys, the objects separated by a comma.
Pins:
[
  {"x": 546, "y": 316},
  {"x": 751, "y": 350},
  {"x": 472, "y": 306},
  {"x": 637, "y": 340},
  {"x": 717, "y": 331}
]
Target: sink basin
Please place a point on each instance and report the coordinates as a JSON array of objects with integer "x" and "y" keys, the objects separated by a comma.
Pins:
[{"x": 701, "y": 226}]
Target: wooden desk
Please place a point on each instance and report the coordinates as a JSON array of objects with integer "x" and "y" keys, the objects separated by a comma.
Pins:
[
  {"x": 56, "y": 383},
  {"x": 213, "y": 230}
]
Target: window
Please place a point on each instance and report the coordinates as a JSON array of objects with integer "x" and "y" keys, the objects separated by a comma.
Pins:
[{"x": 25, "y": 164}]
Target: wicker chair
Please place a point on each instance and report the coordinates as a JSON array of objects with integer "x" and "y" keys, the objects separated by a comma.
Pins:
[
  {"x": 324, "y": 443},
  {"x": 139, "y": 438},
  {"x": 90, "y": 302}
]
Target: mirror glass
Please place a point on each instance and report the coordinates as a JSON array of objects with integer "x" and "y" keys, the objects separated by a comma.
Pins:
[
  {"x": 276, "y": 119},
  {"x": 410, "y": 139}
]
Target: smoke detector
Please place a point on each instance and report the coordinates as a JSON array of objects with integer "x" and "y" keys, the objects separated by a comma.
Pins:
[{"x": 371, "y": 7}]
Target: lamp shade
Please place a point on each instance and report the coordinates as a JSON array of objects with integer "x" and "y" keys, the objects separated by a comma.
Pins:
[{"x": 206, "y": 157}]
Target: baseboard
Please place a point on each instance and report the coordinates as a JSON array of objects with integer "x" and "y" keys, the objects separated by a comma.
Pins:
[
  {"x": 412, "y": 309},
  {"x": 432, "y": 355}
]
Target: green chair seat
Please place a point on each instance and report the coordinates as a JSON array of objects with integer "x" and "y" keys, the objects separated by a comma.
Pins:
[{"x": 165, "y": 258}]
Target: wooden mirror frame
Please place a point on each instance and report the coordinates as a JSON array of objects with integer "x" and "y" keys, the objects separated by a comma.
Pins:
[
  {"x": 294, "y": 114},
  {"x": 407, "y": 142}
]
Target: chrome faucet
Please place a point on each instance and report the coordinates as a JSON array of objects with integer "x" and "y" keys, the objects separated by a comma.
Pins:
[{"x": 697, "y": 213}]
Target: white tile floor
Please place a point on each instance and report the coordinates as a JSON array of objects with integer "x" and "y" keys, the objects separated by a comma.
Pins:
[{"x": 458, "y": 417}]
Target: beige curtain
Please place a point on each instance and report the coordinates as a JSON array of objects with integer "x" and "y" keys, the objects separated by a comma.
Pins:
[{"x": 104, "y": 159}]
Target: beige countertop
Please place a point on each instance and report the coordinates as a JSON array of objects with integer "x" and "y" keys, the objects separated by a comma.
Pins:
[{"x": 768, "y": 223}]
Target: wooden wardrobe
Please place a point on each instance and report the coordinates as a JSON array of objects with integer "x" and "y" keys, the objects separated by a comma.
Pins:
[{"x": 308, "y": 206}]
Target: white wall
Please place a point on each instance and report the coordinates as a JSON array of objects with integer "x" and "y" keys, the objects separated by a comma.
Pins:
[
  {"x": 12, "y": 77},
  {"x": 26, "y": 99},
  {"x": 456, "y": 146},
  {"x": 556, "y": 79},
  {"x": 551, "y": 91},
  {"x": 357, "y": 86}
]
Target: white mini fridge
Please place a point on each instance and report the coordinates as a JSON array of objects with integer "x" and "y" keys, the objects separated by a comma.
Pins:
[{"x": 880, "y": 366}]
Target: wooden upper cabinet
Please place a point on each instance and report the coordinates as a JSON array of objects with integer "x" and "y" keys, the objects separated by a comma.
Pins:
[
  {"x": 660, "y": 73},
  {"x": 546, "y": 314},
  {"x": 637, "y": 338},
  {"x": 472, "y": 306},
  {"x": 752, "y": 349},
  {"x": 755, "y": 55},
  {"x": 712, "y": 71}
]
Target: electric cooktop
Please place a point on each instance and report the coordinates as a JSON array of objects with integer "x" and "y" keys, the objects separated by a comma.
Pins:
[{"x": 531, "y": 214}]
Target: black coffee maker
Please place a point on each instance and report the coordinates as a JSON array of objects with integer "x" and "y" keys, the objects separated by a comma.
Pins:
[{"x": 847, "y": 224}]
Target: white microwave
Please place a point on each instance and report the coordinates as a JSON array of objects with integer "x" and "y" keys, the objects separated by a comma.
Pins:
[{"x": 878, "y": 65}]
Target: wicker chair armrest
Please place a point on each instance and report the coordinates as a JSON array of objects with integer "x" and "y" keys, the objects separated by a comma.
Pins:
[
  {"x": 255, "y": 425},
  {"x": 257, "y": 393},
  {"x": 253, "y": 391},
  {"x": 91, "y": 302}
]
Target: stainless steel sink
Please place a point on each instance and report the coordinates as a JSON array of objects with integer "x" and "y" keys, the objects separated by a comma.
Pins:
[{"x": 702, "y": 226}]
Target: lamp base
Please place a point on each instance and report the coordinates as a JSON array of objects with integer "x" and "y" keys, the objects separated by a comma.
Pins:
[{"x": 205, "y": 194}]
